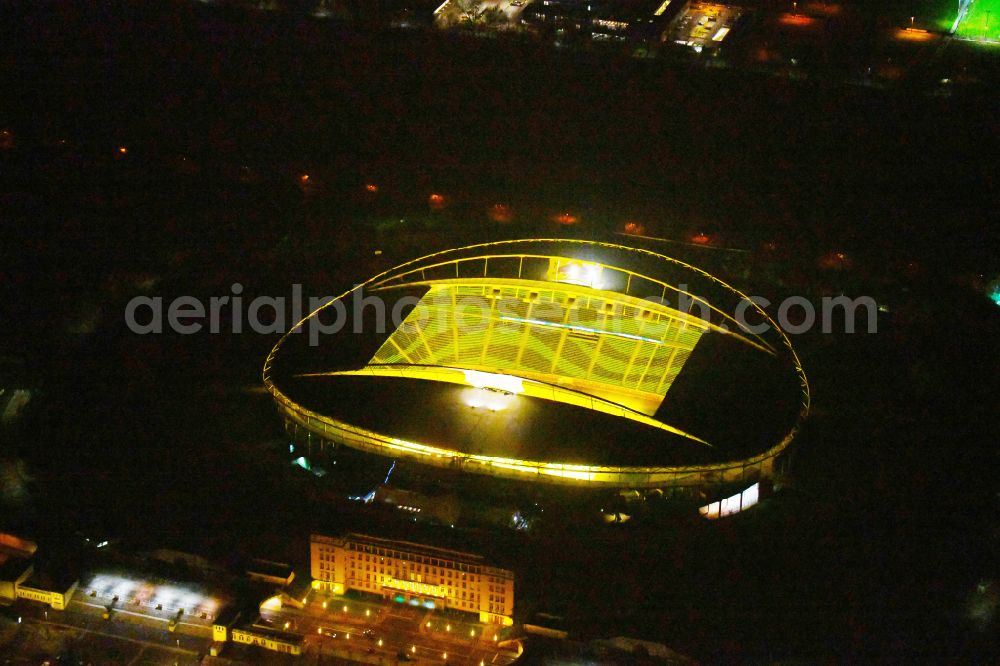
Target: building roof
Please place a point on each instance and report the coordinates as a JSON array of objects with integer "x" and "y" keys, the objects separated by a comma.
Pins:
[
  {"x": 13, "y": 567},
  {"x": 15, "y": 545},
  {"x": 270, "y": 569},
  {"x": 265, "y": 630},
  {"x": 52, "y": 581},
  {"x": 230, "y": 614},
  {"x": 630, "y": 10}
]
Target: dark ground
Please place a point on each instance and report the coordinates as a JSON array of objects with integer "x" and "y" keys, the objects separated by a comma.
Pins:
[{"x": 891, "y": 519}]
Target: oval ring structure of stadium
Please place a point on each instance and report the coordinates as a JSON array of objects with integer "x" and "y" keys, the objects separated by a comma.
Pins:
[{"x": 553, "y": 361}]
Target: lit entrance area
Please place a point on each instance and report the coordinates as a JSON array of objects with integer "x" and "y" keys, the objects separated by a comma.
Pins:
[{"x": 414, "y": 593}]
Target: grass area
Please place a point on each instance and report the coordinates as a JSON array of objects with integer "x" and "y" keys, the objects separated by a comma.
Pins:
[
  {"x": 935, "y": 15},
  {"x": 982, "y": 21}
]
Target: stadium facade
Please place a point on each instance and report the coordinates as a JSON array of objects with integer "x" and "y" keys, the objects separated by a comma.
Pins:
[{"x": 552, "y": 361}]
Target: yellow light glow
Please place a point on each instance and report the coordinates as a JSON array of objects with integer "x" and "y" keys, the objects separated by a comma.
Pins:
[
  {"x": 662, "y": 8},
  {"x": 914, "y": 35}
]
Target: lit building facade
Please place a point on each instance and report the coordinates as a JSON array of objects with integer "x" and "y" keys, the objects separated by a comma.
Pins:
[
  {"x": 231, "y": 626},
  {"x": 56, "y": 597},
  {"x": 413, "y": 573},
  {"x": 20, "y": 580}
]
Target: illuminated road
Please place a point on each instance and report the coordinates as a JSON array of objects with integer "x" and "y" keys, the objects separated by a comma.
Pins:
[
  {"x": 45, "y": 632},
  {"x": 419, "y": 633}
]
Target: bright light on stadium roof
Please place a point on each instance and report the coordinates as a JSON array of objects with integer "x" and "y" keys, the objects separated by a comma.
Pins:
[
  {"x": 583, "y": 273},
  {"x": 486, "y": 399},
  {"x": 490, "y": 380}
]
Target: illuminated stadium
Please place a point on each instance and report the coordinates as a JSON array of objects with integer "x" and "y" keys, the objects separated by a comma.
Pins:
[{"x": 556, "y": 362}]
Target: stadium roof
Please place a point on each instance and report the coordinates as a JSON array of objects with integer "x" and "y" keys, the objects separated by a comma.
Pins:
[
  {"x": 560, "y": 342},
  {"x": 547, "y": 363}
]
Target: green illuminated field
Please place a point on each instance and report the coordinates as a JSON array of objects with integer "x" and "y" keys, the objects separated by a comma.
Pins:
[{"x": 981, "y": 21}]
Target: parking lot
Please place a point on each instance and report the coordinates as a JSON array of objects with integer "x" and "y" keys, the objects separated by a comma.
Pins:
[
  {"x": 37, "y": 640},
  {"x": 186, "y": 606},
  {"x": 363, "y": 628},
  {"x": 704, "y": 25},
  {"x": 447, "y": 14}
]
